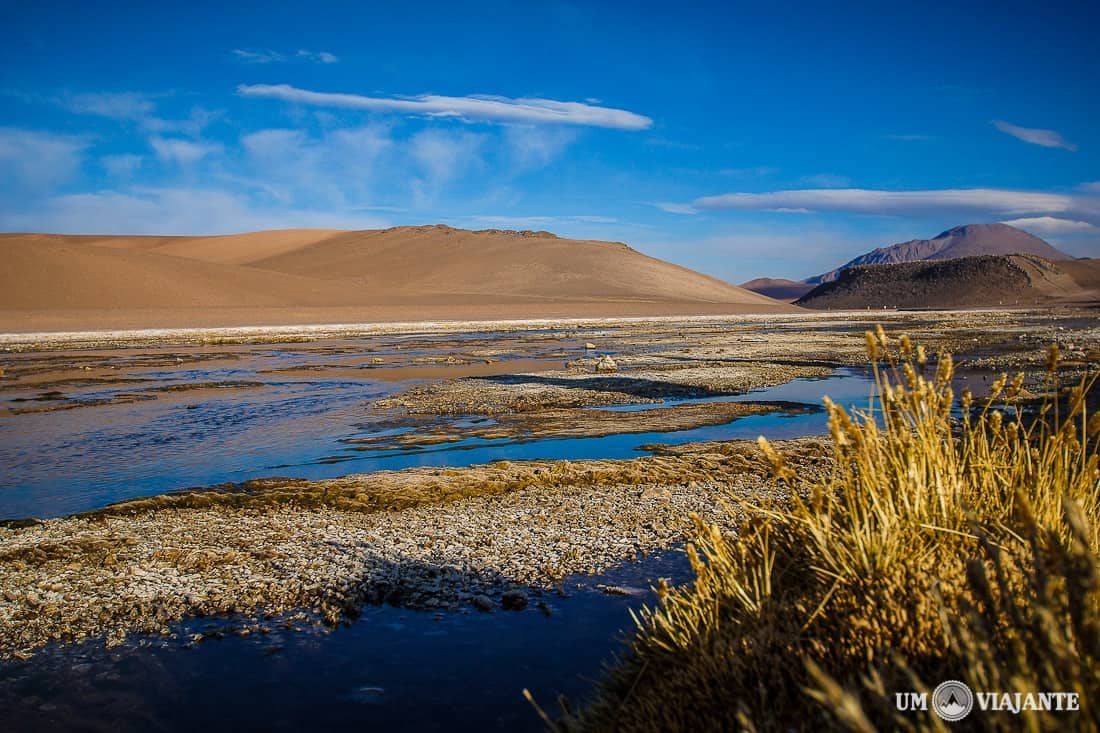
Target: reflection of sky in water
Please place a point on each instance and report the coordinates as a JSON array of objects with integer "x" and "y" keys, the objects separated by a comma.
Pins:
[
  {"x": 392, "y": 669},
  {"x": 72, "y": 460}
]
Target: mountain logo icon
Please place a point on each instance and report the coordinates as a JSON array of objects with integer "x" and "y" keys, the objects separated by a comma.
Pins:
[{"x": 952, "y": 700}]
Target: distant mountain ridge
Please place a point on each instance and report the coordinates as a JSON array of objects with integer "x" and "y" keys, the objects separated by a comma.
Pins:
[
  {"x": 778, "y": 288},
  {"x": 968, "y": 240},
  {"x": 980, "y": 281}
]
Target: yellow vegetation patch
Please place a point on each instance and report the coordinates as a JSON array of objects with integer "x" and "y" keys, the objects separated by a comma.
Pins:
[{"x": 947, "y": 545}]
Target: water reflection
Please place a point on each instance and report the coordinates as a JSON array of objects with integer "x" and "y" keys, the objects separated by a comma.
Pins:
[{"x": 57, "y": 463}]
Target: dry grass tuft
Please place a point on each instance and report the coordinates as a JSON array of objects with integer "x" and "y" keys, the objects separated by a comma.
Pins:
[{"x": 949, "y": 544}]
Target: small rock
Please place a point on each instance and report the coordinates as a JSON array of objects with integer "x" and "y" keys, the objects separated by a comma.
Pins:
[
  {"x": 589, "y": 345},
  {"x": 606, "y": 364},
  {"x": 618, "y": 590},
  {"x": 514, "y": 600},
  {"x": 483, "y": 603}
]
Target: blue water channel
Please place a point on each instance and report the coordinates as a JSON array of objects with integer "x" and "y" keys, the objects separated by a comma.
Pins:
[{"x": 58, "y": 463}]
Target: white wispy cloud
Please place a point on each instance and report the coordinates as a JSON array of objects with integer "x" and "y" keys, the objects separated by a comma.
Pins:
[
  {"x": 115, "y": 105},
  {"x": 120, "y": 166},
  {"x": 1034, "y": 135},
  {"x": 1050, "y": 225},
  {"x": 337, "y": 168},
  {"x": 182, "y": 152},
  {"x": 535, "y": 146},
  {"x": 532, "y": 221},
  {"x": 442, "y": 155},
  {"x": 138, "y": 108},
  {"x": 258, "y": 57},
  {"x": 317, "y": 57},
  {"x": 758, "y": 171},
  {"x": 267, "y": 56},
  {"x": 176, "y": 210},
  {"x": 825, "y": 180},
  {"x": 32, "y": 161},
  {"x": 975, "y": 201},
  {"x": 674, "y": 208},
  {"x": 481, "y": 108}
]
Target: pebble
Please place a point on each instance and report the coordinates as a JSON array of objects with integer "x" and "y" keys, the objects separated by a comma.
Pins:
[{"x": 514, "y": 600}]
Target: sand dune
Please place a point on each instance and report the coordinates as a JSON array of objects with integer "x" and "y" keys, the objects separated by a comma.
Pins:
[
  {"x": 322, "y": 276},
  {"x": 231, "y": 249}
]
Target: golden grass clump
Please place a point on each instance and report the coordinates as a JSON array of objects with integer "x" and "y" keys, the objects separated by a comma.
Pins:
[{"x": 953, "y": 541}]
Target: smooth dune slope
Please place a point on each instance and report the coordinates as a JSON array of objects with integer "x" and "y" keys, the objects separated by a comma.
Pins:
[
  {"x": 48, "y": 272},
  {"x": 438, "y": 259},
  {"x": 52, "y": 282}
]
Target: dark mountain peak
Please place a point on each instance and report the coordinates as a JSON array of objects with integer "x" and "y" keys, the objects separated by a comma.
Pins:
[{"x": 968, "y": 240}]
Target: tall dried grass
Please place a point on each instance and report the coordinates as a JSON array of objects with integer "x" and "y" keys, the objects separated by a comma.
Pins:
[{"x": 949, "y": 544}]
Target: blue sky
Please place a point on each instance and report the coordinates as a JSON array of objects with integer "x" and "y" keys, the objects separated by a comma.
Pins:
[{"x": 729, "y": 137}]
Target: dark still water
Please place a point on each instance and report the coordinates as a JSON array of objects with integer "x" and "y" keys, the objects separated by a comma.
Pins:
[{"x": 391, "y": 670}]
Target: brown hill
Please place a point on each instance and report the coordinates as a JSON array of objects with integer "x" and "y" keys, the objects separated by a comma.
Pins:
[
  {"x": 966, "y": 241},
  {"x": 51, "y": 282},
  {"x": 778, "y": 288},
  {"x": 965, "y": 282}
]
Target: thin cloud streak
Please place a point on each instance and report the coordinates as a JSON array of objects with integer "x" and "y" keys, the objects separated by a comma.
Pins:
[
  {"x": 267, "y": 56},
  {"x": 258, "y": 57},
  {"x": 1035, "y": 136},
  {"x": 513, "y": 221},
  {"x": 1050, "y": 225},
  {"x": 182, "y": 152},
  {"x": 998, "y": 202},
  {"x": 317, "y": 57},
  {"x": 483, "y": 108}
]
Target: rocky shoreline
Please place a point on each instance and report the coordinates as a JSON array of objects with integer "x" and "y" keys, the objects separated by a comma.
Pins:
[{"x": 144, "y": 565}]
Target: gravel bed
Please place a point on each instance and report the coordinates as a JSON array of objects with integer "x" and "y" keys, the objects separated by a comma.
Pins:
[{"x": 73, "y": 578}]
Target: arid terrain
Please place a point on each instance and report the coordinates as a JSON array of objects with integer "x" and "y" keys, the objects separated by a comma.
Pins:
[{"x": 68, "y": 283}]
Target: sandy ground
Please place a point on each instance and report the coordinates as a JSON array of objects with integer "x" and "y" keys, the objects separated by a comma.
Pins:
[{"x": 54, "y": 282}]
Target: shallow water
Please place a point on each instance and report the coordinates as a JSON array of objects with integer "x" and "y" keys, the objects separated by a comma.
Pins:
[
  {"x": 57, "y": 463},
  {"x": 392, "y": 669}
]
